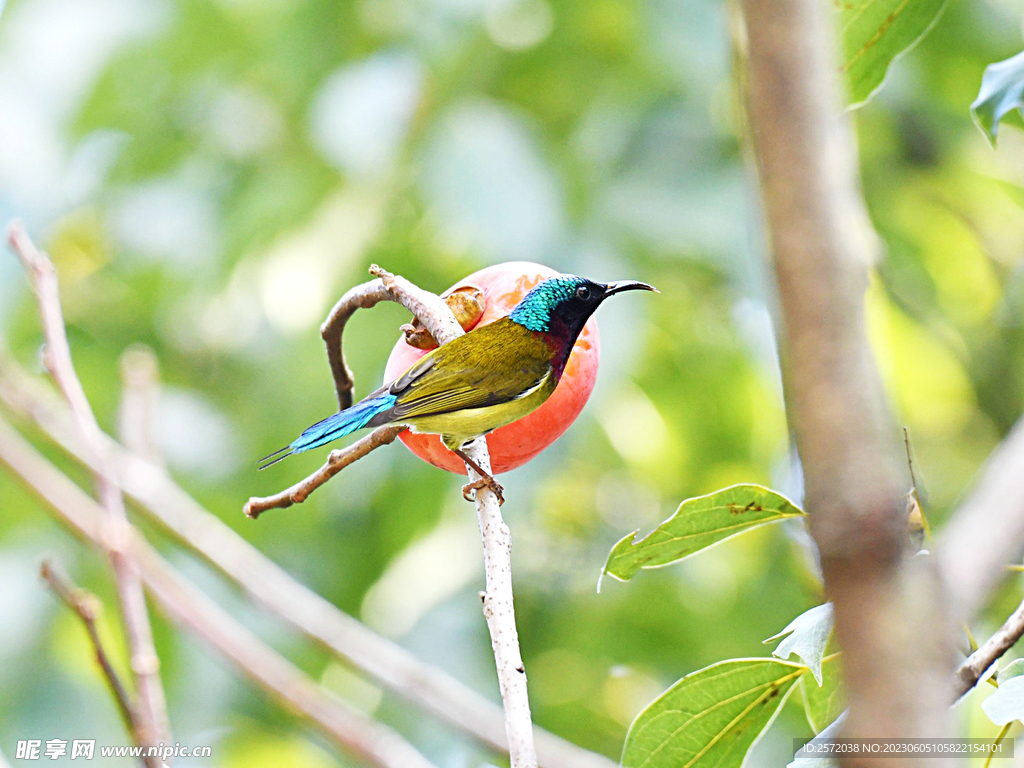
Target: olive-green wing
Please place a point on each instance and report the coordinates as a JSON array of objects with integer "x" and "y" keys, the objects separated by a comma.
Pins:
[{"x": 489, "y": 365}]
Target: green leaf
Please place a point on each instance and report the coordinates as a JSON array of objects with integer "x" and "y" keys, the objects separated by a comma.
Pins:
[
  {"x": 711, "y": 717},
  {"x": 1014, "y": 669},
  {"x": 808, "y": 636},
  {"x": 1006, "y": 703},
  {"x": 823, "y": 703},
  {"x": 1002, "y": 90},
  {"x": 874, "y": 33},
  {"x": 699, "y": 523}
]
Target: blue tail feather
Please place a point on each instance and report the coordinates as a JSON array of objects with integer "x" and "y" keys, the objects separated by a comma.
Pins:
[{"x": 340, "y": 424}]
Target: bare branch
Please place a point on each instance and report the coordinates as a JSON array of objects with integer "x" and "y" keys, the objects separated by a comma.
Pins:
[
  {"x": 889, "y": 617},
  {"x": 428, "y": 308},
  {"x": 987, "y": 530},
  {"x": 974, "y": 666},
  {"x": 151, "y": 708},
  {"x": 157, "y": 494},
  {"x": 437, "y": 318},
  {"x": 466, "y": 302},
  {"x": 500, "y": 615},
  {"x": 362, "y": 296},
  {"x": 498, "y": 606},
  {"x": 191, "y": 608},
  {"x": 88, "y": 607},
  {"x": 336, "y": 461}
]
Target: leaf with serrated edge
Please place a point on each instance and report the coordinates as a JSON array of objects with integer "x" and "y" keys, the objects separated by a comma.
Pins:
[
  {"x": 711, "y": 717},
  {"x": 874, "y": 33},
  {"x": 823, "y": 703},
  {"x": 808, "y": 636},
  {"x": 1006, "y": 703},
  {"x": 699, "y": 523},
  {"x": 1002, "y": 91}
]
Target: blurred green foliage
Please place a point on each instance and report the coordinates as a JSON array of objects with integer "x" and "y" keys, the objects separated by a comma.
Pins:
[{"x": 209, "y": 175}]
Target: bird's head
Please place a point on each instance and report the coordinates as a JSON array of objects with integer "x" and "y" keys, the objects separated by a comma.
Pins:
[{"x": 561, "y": 305}]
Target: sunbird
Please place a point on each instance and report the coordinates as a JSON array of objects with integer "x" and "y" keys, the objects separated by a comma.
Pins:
[{"x": 484, "y": 379}]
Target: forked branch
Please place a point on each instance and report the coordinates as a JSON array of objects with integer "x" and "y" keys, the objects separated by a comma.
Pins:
[
  {"x": 432, "y": 312},
  {"x": 499, "y": 612},
  {"x": 157, "y": 495},
  {"x": 87, "y": 606},
  {"x": 184, "y": 603},
  {"x": 151, "y": 709},
  {"x": 336, "y": 461}
]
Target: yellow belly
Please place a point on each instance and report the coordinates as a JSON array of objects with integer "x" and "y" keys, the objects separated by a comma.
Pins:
[{"x": 459, "y": 427}]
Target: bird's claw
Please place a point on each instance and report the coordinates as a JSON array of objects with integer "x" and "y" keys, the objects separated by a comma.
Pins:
[{"x": 483, "y": 482}]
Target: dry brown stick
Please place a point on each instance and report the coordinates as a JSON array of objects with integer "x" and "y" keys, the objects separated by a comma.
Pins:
[
  {"x": 889, "y": 616},
  {"x": 191, "y": 608},
  {"x": 362, "y": 296},
  {"x": 157, "y": 494},
  {"x": 151, "y": 707},
  {"x": 337, "y": 460},
  {"x": 974, "y": 666},
  {"x": 88, "y": 607}
]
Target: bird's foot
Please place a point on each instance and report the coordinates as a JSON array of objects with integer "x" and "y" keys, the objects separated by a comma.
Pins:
[
  {"x": 484, "y": 482},
  {"x": 486, "y": 479}
]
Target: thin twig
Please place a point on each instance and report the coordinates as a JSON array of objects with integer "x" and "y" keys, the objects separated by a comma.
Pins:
[
  {"x": 498, "y": 607},
  {"x": 498, "y": 599},
  {"x": 88, "y": 607},
  {"x": 151, "y": 709},
  {"x": 158, "y": 495},
  {"x": 914, "y": 496},
  {"x": 386, "y": 287},
  {"x": 974, "y": 666},
  {"x": 336, "y": 461},
  {"x": 430, "y": 308},
  {"x": 361, "y": 296},
  {"x": 499, "y": 612},
  {"x": 910, "y": 459},
  {"x": 500, "y": 615},
  {"x": 193, "y": 609}
]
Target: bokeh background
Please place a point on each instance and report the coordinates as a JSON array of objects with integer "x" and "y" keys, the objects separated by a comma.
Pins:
[{"x": 210, "y": 175}]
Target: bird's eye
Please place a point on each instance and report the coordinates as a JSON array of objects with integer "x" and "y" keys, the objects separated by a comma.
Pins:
[{"x": 583, "y": 293}]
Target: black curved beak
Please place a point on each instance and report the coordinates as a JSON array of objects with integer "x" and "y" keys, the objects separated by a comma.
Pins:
[{"x": 627, "y": 285}]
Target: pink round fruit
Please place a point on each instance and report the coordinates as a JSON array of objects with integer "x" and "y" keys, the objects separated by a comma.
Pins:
[{"x": 514, "y": 444}]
